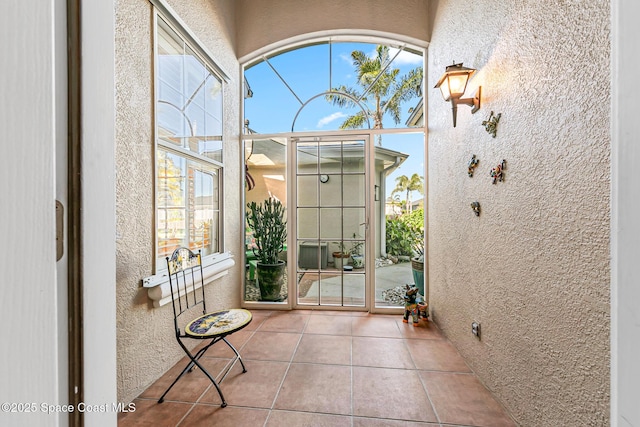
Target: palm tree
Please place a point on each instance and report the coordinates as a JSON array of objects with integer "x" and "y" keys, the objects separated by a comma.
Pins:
[
  {"x": 406, "y": 184},
  {"x": 386, "y": 91}
]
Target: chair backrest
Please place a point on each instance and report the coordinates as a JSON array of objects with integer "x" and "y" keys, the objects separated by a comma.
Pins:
[{"x": 185, "y": 277}]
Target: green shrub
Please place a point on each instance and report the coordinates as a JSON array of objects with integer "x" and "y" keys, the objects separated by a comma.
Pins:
[
  {"x": 399, "y": 237},
  {"x": 404, "y": 234},
  {"x": 415, "y": 219}
]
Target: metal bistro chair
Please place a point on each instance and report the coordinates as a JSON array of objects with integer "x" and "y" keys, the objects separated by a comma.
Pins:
[{"x": 185, "y": 276}]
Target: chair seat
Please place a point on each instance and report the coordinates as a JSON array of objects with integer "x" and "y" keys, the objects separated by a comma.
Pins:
[{"x": 218, "y": 323}]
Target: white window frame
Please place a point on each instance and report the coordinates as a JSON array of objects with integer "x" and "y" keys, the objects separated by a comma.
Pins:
[{"x": 215, "y": 265}]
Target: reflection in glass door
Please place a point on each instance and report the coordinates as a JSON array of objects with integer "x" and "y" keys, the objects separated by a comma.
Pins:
[
  {"x": 398, "y": 218},
  {"x": 331, "y": 221},
  {"x": 265, "y": 178}
]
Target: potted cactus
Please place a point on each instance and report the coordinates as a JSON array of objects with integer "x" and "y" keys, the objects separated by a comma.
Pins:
[{"x": 269, "y": 227}]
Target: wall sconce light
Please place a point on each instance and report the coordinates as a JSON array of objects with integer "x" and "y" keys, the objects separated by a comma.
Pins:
[{"x": 453, "y": 83}]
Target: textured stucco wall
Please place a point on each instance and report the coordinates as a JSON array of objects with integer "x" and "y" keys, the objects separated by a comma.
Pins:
[
  {"x": 533, "y": 269},
  {"x": 146, "y": 341},
  {"x": 261, "y": 23}
]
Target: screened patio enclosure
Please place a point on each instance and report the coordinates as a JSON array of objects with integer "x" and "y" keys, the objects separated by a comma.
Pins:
[{"x": 339, "y": 163}]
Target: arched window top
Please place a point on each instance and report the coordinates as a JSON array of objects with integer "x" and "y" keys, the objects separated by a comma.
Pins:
[{"x": 329, "y": 85}]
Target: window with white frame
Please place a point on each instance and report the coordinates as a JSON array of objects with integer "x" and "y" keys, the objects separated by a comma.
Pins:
[{"x": 189, "y": 161}]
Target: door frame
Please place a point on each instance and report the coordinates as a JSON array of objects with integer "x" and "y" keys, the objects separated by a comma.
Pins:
[
  {"x": 371, "y": 134},
  {"x": 292, "y": 200}
]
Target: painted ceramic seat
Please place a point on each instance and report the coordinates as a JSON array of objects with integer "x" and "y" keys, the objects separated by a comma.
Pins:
[{"x": 218, "y": 323}]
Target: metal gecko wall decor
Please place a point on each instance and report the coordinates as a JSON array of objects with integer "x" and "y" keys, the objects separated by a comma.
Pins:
[
  {"x": 475, "y": 206},
  {"x": 491, "y": 124},
  {"x": 472, "y": 165},
  {"x": 497, "y": 173}
]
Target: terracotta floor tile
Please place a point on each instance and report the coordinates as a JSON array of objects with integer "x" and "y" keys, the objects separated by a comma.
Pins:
[
  {"x": 329, "y": 325},
  {"x": 338, "y": 313},
  {"x": 320, "y": 368},
  {"x": 306, "y": 419},
  {"x": 396, "y": 394},
  {"x": 316, "y": 388},
  {"x": 258, "y": 317},
  {"x": 462, "y": 399},
  {"x": 190, "y": 387},
  {"x": 424, "y": 330},
  {"x": 375, "y": 326},
  {"x": 436, "y": 355},
  {"x": 381, "y": 353},
  {"x": 284, "y": 322},
  {"x": 221, "y": 349},
  {"x": 214, "y": 415},
  {"x": 377, "y": 422},
  {"x": 150, "y": 413},
  {"x": 255, "y": 388},
  {"x": 329, "y": 349},
  {"x": 276, "y": 346}
]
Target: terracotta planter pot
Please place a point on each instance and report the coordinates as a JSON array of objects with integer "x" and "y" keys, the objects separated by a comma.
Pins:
[{"x": 338, "y": 259}]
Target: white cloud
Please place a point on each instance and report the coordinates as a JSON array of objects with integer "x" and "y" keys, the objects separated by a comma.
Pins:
[
  {"x": 346, "y": 58},
  {"x": 405, "y": 58},
  {"x": 330, "y": 118}
]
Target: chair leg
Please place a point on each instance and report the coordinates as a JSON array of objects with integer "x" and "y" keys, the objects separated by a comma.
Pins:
[
  {"x": 244, "y": 369},
  {"x": 224, "y": 402},
  {"x": 194, "y": 362},
  {"x": 184, "y": 371}
]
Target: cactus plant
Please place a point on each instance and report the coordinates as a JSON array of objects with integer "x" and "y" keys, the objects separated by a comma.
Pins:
[{"x": 269, "y": 227}]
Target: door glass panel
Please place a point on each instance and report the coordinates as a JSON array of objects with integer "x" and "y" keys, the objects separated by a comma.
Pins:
[
  {"x": 398, "y": 217},
  {"x": 307, "y": 157},
  {"x": 330, "y": 190},
  {"x": 308, "y": 190},
  {"x": 330, "y": 220},
  {"x": 266, "y": 171},
  {"x": 312, "y": 255},
  {"x": 325, "y": 270},
  {"x": 347, "y": 289},
  {"x": 330, "y": 157},
  {"x": 353, "y": 190},
  {"x": 353, "y": 222},
  {"x": 308, "y": 223},
  {"x": 353, "y": 157}
]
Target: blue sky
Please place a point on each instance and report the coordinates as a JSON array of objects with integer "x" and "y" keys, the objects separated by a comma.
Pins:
[{"x": 273, "y": 107}]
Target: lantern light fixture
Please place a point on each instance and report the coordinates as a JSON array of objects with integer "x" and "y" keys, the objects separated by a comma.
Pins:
[{"x": 453, "y": 84}]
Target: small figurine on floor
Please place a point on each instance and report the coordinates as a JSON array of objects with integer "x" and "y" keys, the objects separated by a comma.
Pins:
[
  {"x": 423, "y": 310},
  {"x": 411, "y": 305}
]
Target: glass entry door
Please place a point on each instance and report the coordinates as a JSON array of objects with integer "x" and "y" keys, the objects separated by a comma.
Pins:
[{"x": 331, "y": 221}]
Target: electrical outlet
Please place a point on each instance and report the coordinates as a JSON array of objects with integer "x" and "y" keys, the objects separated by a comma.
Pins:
[{"x": 475, "y": 329}]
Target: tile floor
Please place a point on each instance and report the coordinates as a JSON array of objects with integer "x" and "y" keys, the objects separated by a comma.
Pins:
[{"x": 319, "y": 368}]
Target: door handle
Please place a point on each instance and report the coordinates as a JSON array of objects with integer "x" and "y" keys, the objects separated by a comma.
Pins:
[{"x": 59, "y": 230}]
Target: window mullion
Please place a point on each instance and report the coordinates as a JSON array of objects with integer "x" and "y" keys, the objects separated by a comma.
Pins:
[{"x": 189, "y": 154}]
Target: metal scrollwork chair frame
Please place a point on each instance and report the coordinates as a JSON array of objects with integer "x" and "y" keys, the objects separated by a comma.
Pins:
[{"x": 187, "y": 293}]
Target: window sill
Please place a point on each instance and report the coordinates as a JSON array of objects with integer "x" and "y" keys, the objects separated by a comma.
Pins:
[{"x": 158, "y": 285}]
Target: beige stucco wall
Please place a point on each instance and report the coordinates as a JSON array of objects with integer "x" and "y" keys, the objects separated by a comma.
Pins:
[
  {"x": 146, "y": 341},
  {"x": 270, "y": 182},
  {"x": 533, "y": 269},
  {"x": 261, "y": 23}
]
